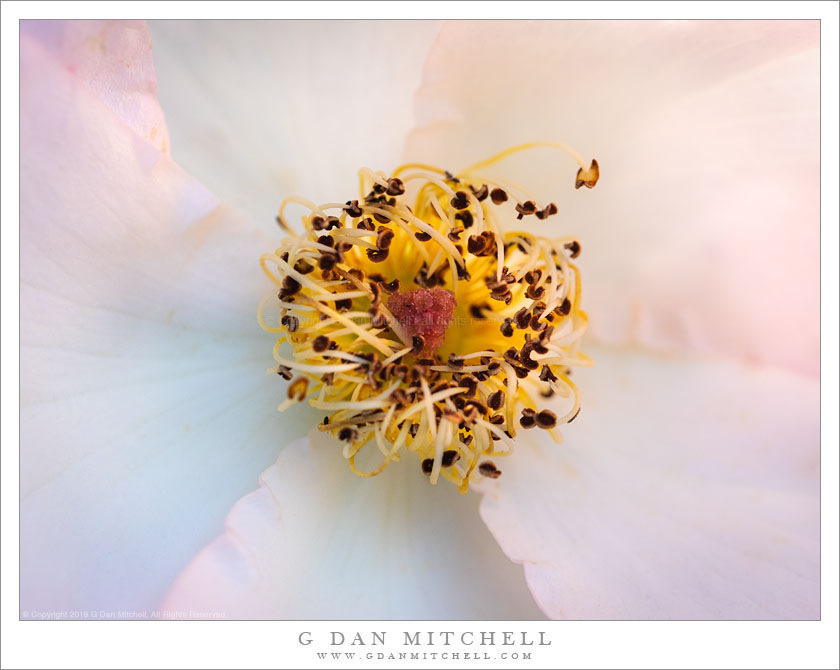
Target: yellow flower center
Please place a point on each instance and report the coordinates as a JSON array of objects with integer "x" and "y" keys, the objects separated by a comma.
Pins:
[{"x": 429, "y": 327}]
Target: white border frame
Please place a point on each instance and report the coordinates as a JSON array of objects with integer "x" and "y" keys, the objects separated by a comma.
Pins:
[{"x": 274, "y": 644}]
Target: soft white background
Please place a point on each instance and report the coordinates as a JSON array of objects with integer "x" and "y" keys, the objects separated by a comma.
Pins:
[{"x": 576, "y": 644}]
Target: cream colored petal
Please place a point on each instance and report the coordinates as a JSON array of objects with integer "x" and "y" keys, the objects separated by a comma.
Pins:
[
  {"x": 686, "y": 489},
  {"x": 114, "y": 60},
  {"x": 264, "y": 109},
  {"x": 146, "y": 410},
  {"x": 317, "y": 542},
  {"x": 703, "y": 231}
]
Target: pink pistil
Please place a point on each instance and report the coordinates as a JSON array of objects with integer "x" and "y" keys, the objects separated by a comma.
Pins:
[{"x": 424, "y": 312}]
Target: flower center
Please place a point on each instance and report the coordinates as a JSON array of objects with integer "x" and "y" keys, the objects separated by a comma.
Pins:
[
  {"x": 424, "y": 313},
  {"x": 430, "y": 328}
]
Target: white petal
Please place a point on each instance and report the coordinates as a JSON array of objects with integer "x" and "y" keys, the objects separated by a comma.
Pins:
[
  {"x": 703, "y": 231},
  {"x": 684, "y": 490},
  {"x": 318, "y": 542},
  {"x": 264, "y": 109},
  {"x": 145, "y": 407},
  {"x": 114, "y": 59}
]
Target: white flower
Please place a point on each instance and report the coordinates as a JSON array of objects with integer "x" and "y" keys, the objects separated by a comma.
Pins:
[{"x": 688, "y": 487}]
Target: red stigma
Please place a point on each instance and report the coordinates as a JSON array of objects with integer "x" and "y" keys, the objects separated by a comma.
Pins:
[{"x": 424, "y": 312}]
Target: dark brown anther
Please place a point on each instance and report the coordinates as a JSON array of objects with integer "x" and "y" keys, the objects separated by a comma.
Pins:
[
  {"x": 284, "y": 372},
  {"x": 551, "y": 208},
  {"x": 290, "y": 322},
  {"x": 496, "y": 399},
  {"x": 546, "y": 419},
  {"x": 297, "y": 389},
  {"x": 507, "y": 327},
  {"x": 333, "y": 222},
  {"x": 528, "y": 418},
  {"x": 521, "y": 372},
  {"x": 417, "y": 344},
  {"x": 480, "y": 193},
  {"x": 525, "y": 357},
  {"x": 353, "y": 210},
  {"x": 348, "y": 434},
  {"x": 423, "y": 237},
  {"x": 536, "y": 324},
  {"x": 454, "y": 235},
  {"x": 376, "y": 289},
  {"x": 498, "y": 196},
  {"x": 427, "y": 465},
  {"x": 383, "y": 240},
  {"x": 318, "y": 223},
  {"x": 493, "y": 367},
  {"x": 377, "y": 255},
  {"x": 413, "y": 428},
  {"x": 574, "y": 247},
  {"x": 460, "y": 201},
  {"x": 381, "y": 217},
  {"x": 574, "y": 416},
  {"x": 378, "y": 320},
  {"x": 391, "y": 286},
  {"x": 465, "y": 217},
  {"x": 546, "y": 375},
  {"x": 451, "y": 177},
  {"x": 470, "y": 383},
  {"x": 327, "y": 261},
  {"x": 326, "y": 240},
  {"x": 522, "y": 318},
  {"x": 535, "y": 292},
  {"x": 476, "y": 244},
  {"x": 455, "y": 363},
  {"x": 395, "y": 186},
  {"x": 564, "y": 308},
  {"x": 399, "y": 396},
  {"x": 303, "y": 267},
  {"x": 343, "y": 305},
  {"x": 450, "y": 456},
  {"x": 497, "y": 419},
  {"x": 400, "y": 371},
  {"x": 321, "y": 343},
  {"x": 366, "y": 224},
  {"x": 477, "y": 311},
  {"x": 290, "y": 285},
  {"x": 588, "y": 177},
  {"x": 533, "y": 276},
  {"x": 489, "y": 469},
  {"x": 526, "y": 208}
]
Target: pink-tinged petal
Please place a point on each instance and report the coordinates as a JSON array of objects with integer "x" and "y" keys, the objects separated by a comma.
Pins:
[
  {"x": 317, "y": 542},
  {"x": 685, "y": 490},
  {"x": 113, "y": 59},
  {"x": 263, "y": 109},
  {"x": 703, "y": 231},
  {"x": 145, "y": 406}
]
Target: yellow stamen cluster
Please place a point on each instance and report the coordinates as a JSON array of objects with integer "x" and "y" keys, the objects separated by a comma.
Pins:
[{"x": 510, "y": 343}]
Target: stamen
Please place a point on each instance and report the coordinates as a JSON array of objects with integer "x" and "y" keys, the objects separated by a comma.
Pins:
[{"x": 426, "y": 327}]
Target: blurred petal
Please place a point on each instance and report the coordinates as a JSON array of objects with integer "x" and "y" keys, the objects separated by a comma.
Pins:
[
  {"x": 703, "y": 231},
  {"x": 113, "y": 59},
  {"x": 265, "y": 109},
  {"x": 685, "y": 490},
  {"x": 145, "y": 407},
  {"x": 317, "y": 542}
]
